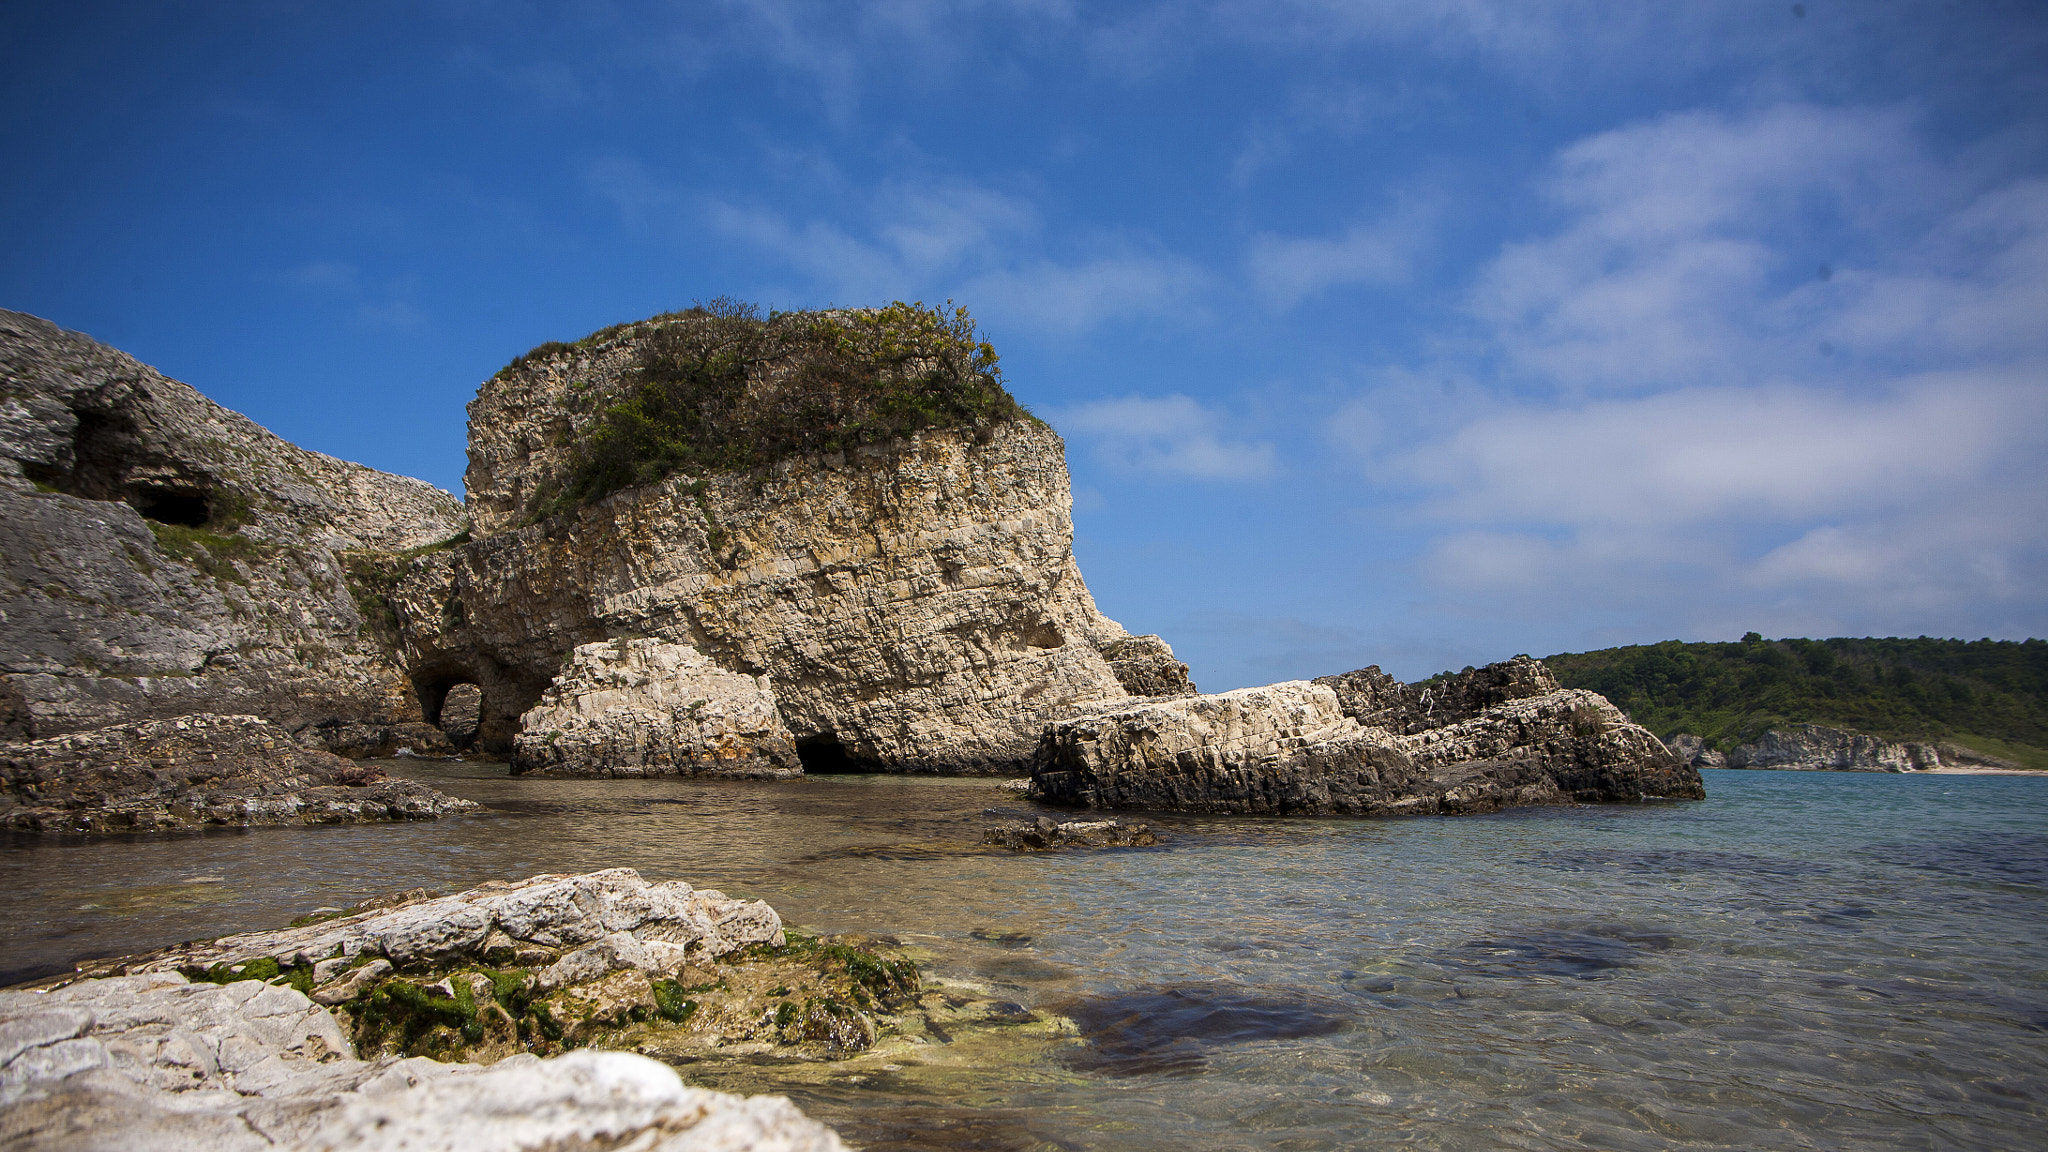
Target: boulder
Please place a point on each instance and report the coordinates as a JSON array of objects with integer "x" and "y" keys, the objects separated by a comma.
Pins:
[
  {"x": 151, "y": 1062},
  {"x": 543, "y": 916},
  {"x": 1693, "y": 750},
  {"x": 651, "y": 708},
  {"x": 200, "y": 770},
  {"x": 160, "y": 555},
  {"x": 1508, "y": 736}
]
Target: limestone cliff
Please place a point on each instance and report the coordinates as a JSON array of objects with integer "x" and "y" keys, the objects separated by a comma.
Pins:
[
  {"x": 1813, "y": 748},
  {"x": 164, "y": 556},
  {"x": 912, "y": 598}
]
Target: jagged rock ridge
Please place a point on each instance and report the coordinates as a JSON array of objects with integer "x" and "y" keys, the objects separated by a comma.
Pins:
[{"x": 164, "y": 556}]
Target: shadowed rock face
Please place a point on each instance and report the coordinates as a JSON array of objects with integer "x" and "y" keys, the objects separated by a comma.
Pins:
[
  {"x": 1507, "y": 737},
  {"x": 197, "y": 771},
  {"x": 914, "y": 603},
  {"x": 164, "y": 556}
]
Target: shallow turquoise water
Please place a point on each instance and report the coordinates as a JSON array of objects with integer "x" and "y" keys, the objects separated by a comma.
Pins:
[{"x": 1803, "y": 960}]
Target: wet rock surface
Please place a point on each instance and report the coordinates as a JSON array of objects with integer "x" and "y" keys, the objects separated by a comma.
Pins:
[
  {"x": 1044, "y": 834},
  {"x": 164, "y": 556},
  {"x": 156, "y": 1062},
  {"x": 1508, "y": 738},
  {"x": 197, "y": 771},
  {"x": 650, "y": 708}
]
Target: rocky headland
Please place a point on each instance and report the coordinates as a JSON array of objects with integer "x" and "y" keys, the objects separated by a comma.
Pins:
[
  {"x": 164, "y": 556},
  {"x": 1819, "y": 748}
]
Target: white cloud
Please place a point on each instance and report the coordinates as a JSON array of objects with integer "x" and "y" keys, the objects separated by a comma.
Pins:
[
  {"x": 1687, "y": 424},
  {"x": 1173, "y": 436},
  {"x": 1286, "y": 269}
]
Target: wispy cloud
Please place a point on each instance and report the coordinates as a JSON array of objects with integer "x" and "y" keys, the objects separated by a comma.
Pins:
[
  {"x": 1693, "y": 418},
  {"x": 1287, "y": 269},
  {"x": 1167, "y": 436}
]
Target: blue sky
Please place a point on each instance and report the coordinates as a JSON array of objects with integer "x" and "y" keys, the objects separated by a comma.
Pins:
[{"x": 1419, "y": 334}]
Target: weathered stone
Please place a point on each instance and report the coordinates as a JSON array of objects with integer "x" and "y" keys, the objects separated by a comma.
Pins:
[
  {"x": 162, "y": 555},
  {"x": 357, "y": 741},
  {"x": 1693, "y": 750},
  {"x": 195, "y": 771},
  {"x": 551, "y": 911},
  {"x": 1815, "y": 748},
  {"x": 1045, "y": 835},
  {"x": 1294, "y": 748},
  {"x": 915, "y": 602},
  {"x": 651, "y": 708},
  {"x": 1377, "y": 700},
  {"x": 146, "y": 1063}
]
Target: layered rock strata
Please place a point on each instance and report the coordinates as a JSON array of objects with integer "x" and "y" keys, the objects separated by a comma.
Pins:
[
  {"x": 149, "y": 1062},
  {"x": 1297, "y": 748},
  {"x": 1812, "y": 748},
  {"x": 651, "y": 708},
  {"x": 197, "y": 771},
  {"x": 162, "y": 555},
  {"x": 915, "y": 602}
]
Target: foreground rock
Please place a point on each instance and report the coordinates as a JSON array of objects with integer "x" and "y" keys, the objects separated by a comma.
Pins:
[
  {"x": 163, "y": 556},
  {"x": 1498, "y": 737},
  {"x": 153, "y": 1062},
  {"x": 914, "y": 598},
  {"x": 1815, "y": 748},
  {"x": 199, "y": 771},
  {"x": 650, "y": 708},
  {"x": 1046, "y": 835}
]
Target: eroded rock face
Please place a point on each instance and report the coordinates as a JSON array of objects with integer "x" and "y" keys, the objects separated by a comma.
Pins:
[
  {"x": 915, "y": 603},
  {"x": 163, "y": 555},
  {"x": 148, "y": 1062},
  {"x": 1509, "y": 737},
  {"x": 197, "y": 771},
  {"x": 1815, "y": 748},
  {"x": 651, "y": 708}
]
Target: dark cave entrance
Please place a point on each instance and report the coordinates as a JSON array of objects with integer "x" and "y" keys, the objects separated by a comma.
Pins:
[
  {"x": 824, "y": 755},
  {"x": 173, "y": 506}
]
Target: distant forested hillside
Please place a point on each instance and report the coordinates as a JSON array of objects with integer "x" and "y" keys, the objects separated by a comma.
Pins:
[{"x": 1991, "y": 695}]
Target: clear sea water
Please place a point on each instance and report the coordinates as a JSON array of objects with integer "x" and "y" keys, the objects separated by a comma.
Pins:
[{"x": 1803, "y": 960}]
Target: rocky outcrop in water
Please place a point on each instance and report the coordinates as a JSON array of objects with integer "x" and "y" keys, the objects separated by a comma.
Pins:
[
  {"x": 150, "y": 1062},
  {"x": 913, "y": 600},
  {"x": 650, "y": 708},
  {"x": 1506, "y": 736},
  {"x": 1811, "y": 748},
  {"x": 1043, "y": 834},
  {"x": 163, "y": 556},
  {"x": 197, "y": 771}
]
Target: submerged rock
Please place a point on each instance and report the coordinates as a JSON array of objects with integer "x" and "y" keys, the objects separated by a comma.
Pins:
[
  {"x": 154, "y": 1062},
  {"x": 651, "y": 708},
  {"x": 1498, "y": 737},
  {"x": 201, "y": 770},
  {"x": 164, "y": 556},
  {"x": 1045, "y": 835}
]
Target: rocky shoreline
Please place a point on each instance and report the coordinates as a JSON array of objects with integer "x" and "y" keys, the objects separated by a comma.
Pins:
[{"x": 421, "y": 1015}]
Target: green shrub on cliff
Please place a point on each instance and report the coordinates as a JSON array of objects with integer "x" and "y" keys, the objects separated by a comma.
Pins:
[
  {"x": 721, "y": 387},
  {"x": 1991, "y": 695}
]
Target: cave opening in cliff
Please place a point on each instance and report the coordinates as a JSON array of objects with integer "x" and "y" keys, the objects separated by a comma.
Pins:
[
  {"x": 824, "y": 755},
  {"x": 173, "y": 506}
]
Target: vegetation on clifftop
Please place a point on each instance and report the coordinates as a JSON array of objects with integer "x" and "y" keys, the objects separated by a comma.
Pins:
[
  {"x": 721, "y": 387},
  {"x": 1990, "y": 695}
]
